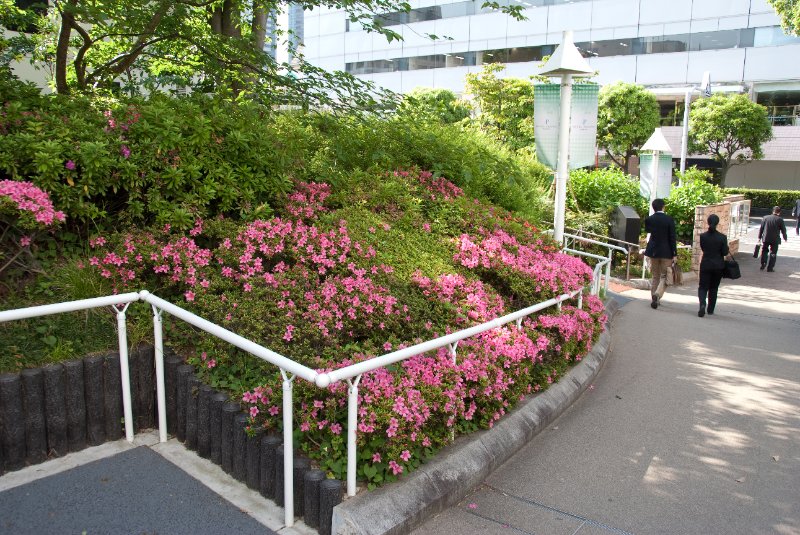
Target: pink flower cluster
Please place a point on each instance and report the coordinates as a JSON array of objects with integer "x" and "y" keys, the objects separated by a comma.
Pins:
[
  {"x": 29, "y": 198},
  {"x": 550, "y": 272},
  {"x": 473, "y": 302},
  {"x": 307, "y": 199},
  {"x": 436, "y": 186}
]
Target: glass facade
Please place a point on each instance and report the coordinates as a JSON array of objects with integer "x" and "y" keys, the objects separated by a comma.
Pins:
[
  {"x": 458, "y": 9},
  {"x": 719, "y": 40}
]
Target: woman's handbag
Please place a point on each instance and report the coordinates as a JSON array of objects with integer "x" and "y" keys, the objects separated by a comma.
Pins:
[
  {"x": 677, "y": 275},
  {"x": 731, "y": 270},
  {"x": 757, "y": 250}
]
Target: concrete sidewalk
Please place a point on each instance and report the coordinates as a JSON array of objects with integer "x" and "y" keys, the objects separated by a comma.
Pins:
[{"x": 691, "y": 427}]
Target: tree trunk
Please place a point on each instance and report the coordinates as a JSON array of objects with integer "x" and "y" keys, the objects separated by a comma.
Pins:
[
  {"x": 62, "y": 48},
  {"x": 259, "y": 26}
]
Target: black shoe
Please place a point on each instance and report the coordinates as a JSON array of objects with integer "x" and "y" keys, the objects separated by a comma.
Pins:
[
  {"x": 770, "y": 271},
  {"x": 654, "y": 302},
  {"x": 763, "y": 266},
  {"x": 701, "y": 312},
  {"x": 710, "y": 312}
]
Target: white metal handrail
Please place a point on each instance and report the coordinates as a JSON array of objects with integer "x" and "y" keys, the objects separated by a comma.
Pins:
[{"x": 289, "y": 368}]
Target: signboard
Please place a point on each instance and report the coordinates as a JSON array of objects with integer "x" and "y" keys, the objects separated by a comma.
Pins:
[
  {"x": 583, "y": 124},
  {"x": 664, "y": 174}
]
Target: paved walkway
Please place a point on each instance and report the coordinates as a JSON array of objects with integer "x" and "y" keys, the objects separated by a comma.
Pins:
[{"x": 692, "y": 427}]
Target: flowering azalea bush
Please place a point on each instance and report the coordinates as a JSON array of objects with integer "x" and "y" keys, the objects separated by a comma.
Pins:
[
  {"x": 25, "y": 213},
  {"x": 337, "y": 278}
]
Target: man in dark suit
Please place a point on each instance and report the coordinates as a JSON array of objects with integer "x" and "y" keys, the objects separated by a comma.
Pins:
[
  {"x": 662, "y": 249},
  {"x": 772, "y": 226},
  {"x": 796, "y": 213}
]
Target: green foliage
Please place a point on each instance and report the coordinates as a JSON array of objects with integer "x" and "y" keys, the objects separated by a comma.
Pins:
[
  {"x": 789, "y": 12},
  {"x": 505, "y": 104},
  {"x": 683, "y": 200},
  {"x": 601, "y": 190},
  {"x": 469, "y": 158},
  {"x": 730, "y": 128},
  {"x": 617, "y": 130},
  {"x": 440, "y": 105},
  {"x": 766, "y": 198}
]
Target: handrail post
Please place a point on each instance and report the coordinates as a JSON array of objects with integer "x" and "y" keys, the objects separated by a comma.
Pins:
[
  {"x": 124, "y": 372},
  {"x": 288, "y": 451},
  {"x": 608, "y": 272},
  {"x": 580, "y": 299},
  {"x": 161, "y": 398},
  {"x": 352, "y": 425}
]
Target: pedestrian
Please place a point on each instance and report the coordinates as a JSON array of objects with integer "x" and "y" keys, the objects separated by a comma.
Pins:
[
  {"x": 772, "y": 226},
  {"x": 715, "y": 248},
  {"x": 796, "y": 213},
  {"x": 662, "y": 249}
]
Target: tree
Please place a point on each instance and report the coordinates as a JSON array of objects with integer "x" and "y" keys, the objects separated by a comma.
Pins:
[
  {"x": 506, "y": 105},
  {"x": 626, "y": 117},
  {"x": 789, "y": 12},
  {"x": 441, "y": 105},
  {"x": 730, "y": 128},
  {"x": 96, "y": 45}
]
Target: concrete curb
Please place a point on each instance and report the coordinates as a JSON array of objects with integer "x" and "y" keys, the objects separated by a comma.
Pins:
[{"x": 399, "y": 507}]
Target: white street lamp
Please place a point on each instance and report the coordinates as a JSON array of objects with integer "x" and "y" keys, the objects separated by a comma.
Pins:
[
  {"x": 657, "y": 144},
  {"x": 566, "y": 62}
]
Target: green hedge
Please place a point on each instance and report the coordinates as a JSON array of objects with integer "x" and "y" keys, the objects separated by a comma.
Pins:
[
  {"x": 165, "y": 160},
  {"x": 767, "y": 198}
]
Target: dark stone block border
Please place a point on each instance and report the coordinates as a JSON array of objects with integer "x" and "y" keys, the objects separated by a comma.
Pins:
[{"x": 400, "y": 507}]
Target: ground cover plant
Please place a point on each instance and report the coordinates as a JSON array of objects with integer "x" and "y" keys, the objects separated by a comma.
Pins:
[{"x": 341, "y": 275}]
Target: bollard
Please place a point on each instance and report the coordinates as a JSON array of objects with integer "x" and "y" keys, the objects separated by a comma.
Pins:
[
  {"x": 13, "y": 416},
  {"x": 171, "y": 364},
  {"x": 311, "y": 483},
  {"x": 55, "y": 410},
  {"x": 229, "y": 412},
  {"x": 253, "y": 462},
  {"x": 301, "y": 466},
  {"x": 218, "y": 399},
  {"x": 204, "y": 421},
  {"x": 95, "y": 411},
  {"x": 35, "y": 426},
  {"x": 269, "y": 444},
  {"x": 146, "y": 391},
  {"x": 240, "y": 447},
  {"x": 184, "y": 371},
  {"x": 278, "y": 498},
  {"x": 192, "y": 385},
  {"x": 76, "y": 405},
  {"x": 112, "y": 393},
  {"x": 330, "y": 495}
]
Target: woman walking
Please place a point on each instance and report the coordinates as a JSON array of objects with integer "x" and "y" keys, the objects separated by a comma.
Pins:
[{"x": 715, "y": 248}]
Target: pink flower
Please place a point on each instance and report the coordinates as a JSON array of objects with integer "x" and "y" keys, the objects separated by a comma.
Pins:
[
  {"x": 189, "y": 295},
  {"x": 70, "y": 165},
  {"x": 473, "y": 506},
  {"x": 211, "y": 363},
  {"x": 336, "y": 428},
  {"x": 125, "y": 151},
  {"x": 405, "y": 455},
  {"x": 396, "y": 468},
  {"x": 25, "y": 241},
  {"x": 376, "y": 457},
  {"x": 254, "y": 412}
]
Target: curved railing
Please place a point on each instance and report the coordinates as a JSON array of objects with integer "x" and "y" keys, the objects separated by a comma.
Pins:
[{"x": 289, "y": 369}]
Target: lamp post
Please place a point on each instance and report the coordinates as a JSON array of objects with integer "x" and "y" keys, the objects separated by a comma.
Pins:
[
  {"x": 705, "y": 90},
  {"x": 566, "y": 62},
  {"x": 657, "y": 144}
]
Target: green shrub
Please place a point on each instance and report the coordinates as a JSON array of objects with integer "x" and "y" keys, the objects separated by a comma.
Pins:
[
  {"x": 683, "y": 200},
  {"x": 766, "y": 198},
  {"x": 601, "y": 190}
]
